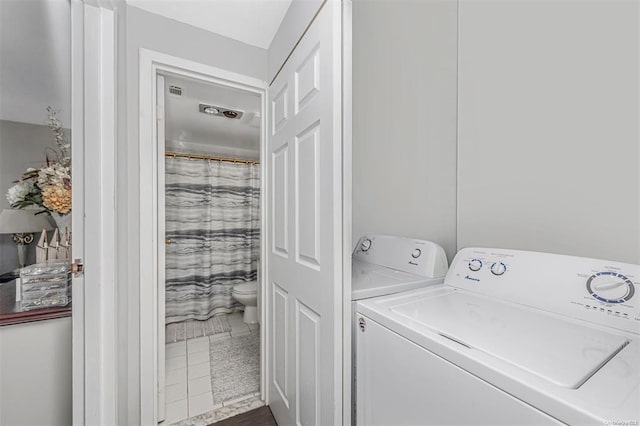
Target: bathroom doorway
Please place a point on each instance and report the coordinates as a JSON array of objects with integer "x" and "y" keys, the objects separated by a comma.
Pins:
[{"x": 209, "y": 217}]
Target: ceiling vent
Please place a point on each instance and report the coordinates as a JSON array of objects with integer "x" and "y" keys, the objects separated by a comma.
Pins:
[
  {"x": 219, "y": 111},
  {"x": 175, "y": 90}
]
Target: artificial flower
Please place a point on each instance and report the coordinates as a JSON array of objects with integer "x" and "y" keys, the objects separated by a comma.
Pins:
[{"x": 47, "y": 187}]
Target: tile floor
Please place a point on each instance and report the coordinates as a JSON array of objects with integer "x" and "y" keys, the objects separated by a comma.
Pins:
[{"x": 188, "y": 373}]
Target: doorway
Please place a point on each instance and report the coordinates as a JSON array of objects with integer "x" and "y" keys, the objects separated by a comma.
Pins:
[
  {"x": 211, "y": 211},
  {"x": 157, "y": 73}
]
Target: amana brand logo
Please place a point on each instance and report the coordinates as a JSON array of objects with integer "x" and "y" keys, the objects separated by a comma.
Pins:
[{"x": 467, "y": 277}]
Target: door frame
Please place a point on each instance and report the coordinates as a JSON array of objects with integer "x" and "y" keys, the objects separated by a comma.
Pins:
[
  {"x": 347, "y": 208},
  {"x": 152, "y": 63},
  {"x": 94, "y": 128}
]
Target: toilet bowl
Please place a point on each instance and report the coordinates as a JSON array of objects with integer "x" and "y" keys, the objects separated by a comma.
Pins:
[{"x": 247, "y": 294}]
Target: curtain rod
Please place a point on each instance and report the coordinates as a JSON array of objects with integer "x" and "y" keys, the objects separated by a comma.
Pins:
[{"x": 209, "y": 157}]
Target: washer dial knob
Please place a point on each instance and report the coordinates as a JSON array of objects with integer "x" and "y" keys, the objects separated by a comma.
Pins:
[
  {"x": 416, "y": 253},
  {"x": 365, "y": 245},
  {"x": 498, "y": 268},
  {"x": 610, "y": 287},
  {"x": 475, "y": 265}
]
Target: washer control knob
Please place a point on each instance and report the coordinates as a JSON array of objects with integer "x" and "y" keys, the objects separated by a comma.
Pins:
[
  {"x": 610, "y": 287},
  {"x": 416, "y": 253},
  {"x": 475, "y": 265},
  {"x": 498, "y": 268},
  {"x": 365, "y": 245}
]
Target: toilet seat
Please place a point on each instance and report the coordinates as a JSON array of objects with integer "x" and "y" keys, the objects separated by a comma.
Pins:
[{"x": 246, "y": 288}]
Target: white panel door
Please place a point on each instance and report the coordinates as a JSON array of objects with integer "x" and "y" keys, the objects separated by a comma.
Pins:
[{"x": 304, "y": 235}]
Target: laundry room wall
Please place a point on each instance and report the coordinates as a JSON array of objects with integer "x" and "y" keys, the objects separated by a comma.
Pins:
[
  {"x": 294, "y": 24},
  {"x": 548, "y": 146},
  {"x": 404, "y": 119}
]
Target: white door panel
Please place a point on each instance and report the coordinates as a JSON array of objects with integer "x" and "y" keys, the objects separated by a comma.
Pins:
[
  {"x": 280, "y": 202},
  {"x": 305, "y": 236},
  {"x": 280, "y": 346},
  {"x": 307, "y": 181}
]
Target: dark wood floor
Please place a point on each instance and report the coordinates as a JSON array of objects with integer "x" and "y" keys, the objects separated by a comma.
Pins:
[{"x": 259, "y": 417}]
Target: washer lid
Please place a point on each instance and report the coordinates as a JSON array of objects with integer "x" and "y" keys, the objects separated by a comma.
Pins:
[
  {"x": 565, "y": 353},
  {"x": 369, "y": 280}
]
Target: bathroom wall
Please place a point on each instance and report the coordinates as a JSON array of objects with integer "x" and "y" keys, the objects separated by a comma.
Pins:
[
  {"x": 189, "y": 131},
  {"x": 549, "y": 146},
  {"x": 404, "y": 119},
  {"x": 212, "y": 149}
]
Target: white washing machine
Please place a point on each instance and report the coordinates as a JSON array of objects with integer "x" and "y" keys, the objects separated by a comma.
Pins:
[
  {"x": 512, "y": 337},
  {"x": 383, "y": 265}
]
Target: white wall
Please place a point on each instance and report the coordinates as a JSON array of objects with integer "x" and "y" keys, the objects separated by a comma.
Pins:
[
  {"x": 404, "y": 119},
  {"x": 35, "y": 373},
  {"x": 141, "y": 29},
  {"x": 35, "y": 65},
  {"x": 145, "y": 29},
  {"x": 549, "y": 149},
  {"x": 293, "y": 25},
  {"x": 211, "y": 149}
]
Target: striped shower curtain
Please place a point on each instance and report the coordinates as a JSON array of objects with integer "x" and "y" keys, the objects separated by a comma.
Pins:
[{"x": 213, "y": 228}]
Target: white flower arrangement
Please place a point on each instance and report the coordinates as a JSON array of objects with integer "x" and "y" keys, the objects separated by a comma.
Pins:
[{"x": 48, "y": 187}]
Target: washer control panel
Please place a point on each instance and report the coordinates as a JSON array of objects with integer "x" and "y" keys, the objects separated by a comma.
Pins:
[
  {"x": 420, "y": 257},
  {"x": 595, "y": 290}
]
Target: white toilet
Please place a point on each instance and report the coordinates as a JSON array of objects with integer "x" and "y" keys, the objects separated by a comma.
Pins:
[{"x": 247, "y": 294}]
